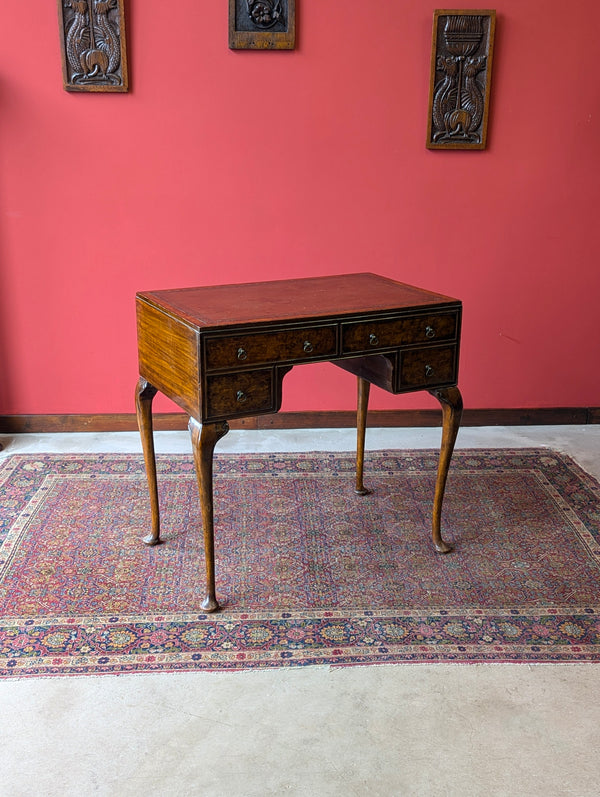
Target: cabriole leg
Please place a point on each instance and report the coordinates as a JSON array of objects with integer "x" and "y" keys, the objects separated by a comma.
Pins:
[
  {"x": 364, "y": 388},
  {"x": 452, "y": 406},
  {"x": 204, "y": 439},
  {"x": 144, "y": 393}
]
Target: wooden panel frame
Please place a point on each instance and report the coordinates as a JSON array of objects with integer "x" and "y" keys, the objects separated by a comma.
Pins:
[
  {"x": 245, "y": 34},
  {"x": 94, "y": 56},
  {"x": 461, "y": 61}
]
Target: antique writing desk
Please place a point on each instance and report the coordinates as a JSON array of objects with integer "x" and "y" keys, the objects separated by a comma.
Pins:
[{"x": 221, "y": 353}]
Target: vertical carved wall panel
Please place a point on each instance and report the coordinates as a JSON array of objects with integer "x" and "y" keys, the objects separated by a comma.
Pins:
[
  {"x": 461, "y": 70},
  {"x": 262, "y": 24},
  {"x": 93, "y": 45}
]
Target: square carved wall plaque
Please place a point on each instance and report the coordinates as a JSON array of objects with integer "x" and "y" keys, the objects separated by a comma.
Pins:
[
  {"x": 262, "y": 24},
  {"x": 461, "y": 71}
]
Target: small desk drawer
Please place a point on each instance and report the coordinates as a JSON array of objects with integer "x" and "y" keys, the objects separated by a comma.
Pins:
[
  {"x": 364, "y": 336},
  {"x": 426, "y": 367},
  {"x": 284, "y": 345},
  {"x": 230, "y": 395}
]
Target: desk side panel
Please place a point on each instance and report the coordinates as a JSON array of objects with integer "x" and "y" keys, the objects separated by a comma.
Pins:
[{"x": 168, "y": 354}]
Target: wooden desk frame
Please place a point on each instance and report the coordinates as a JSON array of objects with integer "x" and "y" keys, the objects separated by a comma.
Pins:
[{"x": 221, "y": 352}]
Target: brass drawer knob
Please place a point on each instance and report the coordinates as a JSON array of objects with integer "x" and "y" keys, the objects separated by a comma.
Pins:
[
  {"x": 242, "y": 354},
  {"x": 373, "y": 340},
  {"x": 428, "y": 370},
  {"x": 429, "y": 332},
  {"x": 241, "y": 396},
  {"x": 308, "y": 346}
]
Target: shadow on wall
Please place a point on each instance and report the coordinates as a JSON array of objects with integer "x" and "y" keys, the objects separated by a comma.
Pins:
[
  {"x": 5, "y": 369},
  {"x": 5, "y": 380}
]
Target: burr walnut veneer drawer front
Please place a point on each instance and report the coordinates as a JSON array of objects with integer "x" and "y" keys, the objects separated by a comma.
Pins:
[
  {"x": 427, "y": 366},
  {"x": 228, "y": 395},
  {"x": 364, "y": 336},
  {"x": 277, "y": 346}
]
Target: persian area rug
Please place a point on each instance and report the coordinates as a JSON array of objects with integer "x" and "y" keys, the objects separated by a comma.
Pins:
[{"x": 307, "y": 571}]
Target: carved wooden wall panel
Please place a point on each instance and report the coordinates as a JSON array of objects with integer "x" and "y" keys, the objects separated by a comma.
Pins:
[
  {"x": 94, "y": 55},
  {"x": 461, "y": 70},
  {"x": 262, "y": 24}
]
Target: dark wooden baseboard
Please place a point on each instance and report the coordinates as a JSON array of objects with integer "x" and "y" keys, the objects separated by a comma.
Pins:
[{"x": 126, "y": 422}]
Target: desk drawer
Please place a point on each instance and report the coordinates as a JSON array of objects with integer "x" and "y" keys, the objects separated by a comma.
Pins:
[
  {"x": 427, "y": 367},
  {"x": 307, "y": 343},
  {"x": 364, "y": 336},
  {"x": 230, "y": 395}
]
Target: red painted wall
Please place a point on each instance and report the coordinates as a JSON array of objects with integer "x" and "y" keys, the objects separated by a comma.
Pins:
[{"x": 224, "y": 166}]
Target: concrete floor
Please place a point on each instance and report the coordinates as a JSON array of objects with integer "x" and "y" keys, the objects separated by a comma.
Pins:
[{"x": 383, "y": 730}]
